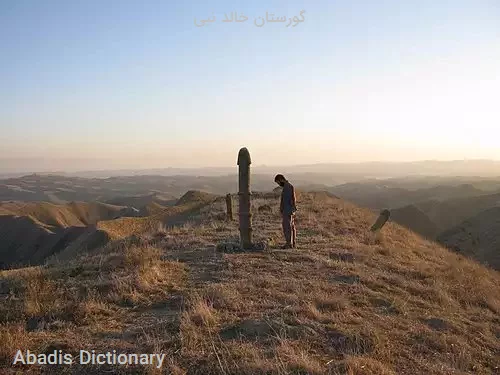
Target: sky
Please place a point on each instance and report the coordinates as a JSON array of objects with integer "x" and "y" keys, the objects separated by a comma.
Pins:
[{"x": 136, "y": 84}]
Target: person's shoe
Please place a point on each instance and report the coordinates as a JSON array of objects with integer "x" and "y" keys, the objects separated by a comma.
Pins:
[{"x": 287, "y": 246}]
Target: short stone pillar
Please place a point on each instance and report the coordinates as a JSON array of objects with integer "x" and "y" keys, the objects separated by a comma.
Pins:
[
  {"x": 229, "y": 207},
  {"x": 245, "y": 208},
  {"x": 381, "y": 220}
]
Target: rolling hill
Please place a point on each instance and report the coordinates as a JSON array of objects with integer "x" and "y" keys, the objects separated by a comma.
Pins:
[
  {"x": 59, "y": 216},
  {"x": 427, "y": 211},
  {"x": 141, "y": 201},
  {"x": 31, "y": 232},
  {"x": 449, "y": 213},
  {"x": 477, "y": 237},
  {"x": 378, "y": 194},
  {"x": 412, "y": 218},
  {"x": 346, "y": 301}
]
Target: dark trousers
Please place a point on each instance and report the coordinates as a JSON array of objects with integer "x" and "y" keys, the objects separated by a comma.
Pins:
[{"x": 289, "y": 230}]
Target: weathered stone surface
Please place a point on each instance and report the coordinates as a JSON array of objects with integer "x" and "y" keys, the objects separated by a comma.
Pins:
[
  {"x": 382, "y": 219},
  {"x": 245, "y": 208},
  {"x": 229, "y": 207}
]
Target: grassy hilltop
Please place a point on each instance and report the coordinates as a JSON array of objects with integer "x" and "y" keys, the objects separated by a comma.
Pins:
[{"x": 345, "y": 302}]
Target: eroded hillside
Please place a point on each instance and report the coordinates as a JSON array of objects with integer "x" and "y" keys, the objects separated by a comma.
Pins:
[
  {"x": 345, "y": 302},
  {"x": 31, "y": 232}
]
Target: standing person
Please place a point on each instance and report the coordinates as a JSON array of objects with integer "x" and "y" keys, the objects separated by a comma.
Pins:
[{"x": 287, "y": 209}]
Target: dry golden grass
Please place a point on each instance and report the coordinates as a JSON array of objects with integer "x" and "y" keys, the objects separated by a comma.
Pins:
[
  {"x": 347, "y": 301},
  {"x": 13, "y": 337},
  {"x": 167, "y": 217}
]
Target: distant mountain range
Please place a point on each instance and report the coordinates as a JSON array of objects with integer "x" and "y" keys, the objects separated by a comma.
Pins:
[
  {"x": 351, "y": 171},
  {"x": 379, "y": 195}
]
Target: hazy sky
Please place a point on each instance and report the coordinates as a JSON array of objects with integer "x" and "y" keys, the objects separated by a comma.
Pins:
[{"x": 137, "y": 84}]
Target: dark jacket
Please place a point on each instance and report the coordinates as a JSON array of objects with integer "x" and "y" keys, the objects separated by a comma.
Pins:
[{"x": 288, "y": 201}]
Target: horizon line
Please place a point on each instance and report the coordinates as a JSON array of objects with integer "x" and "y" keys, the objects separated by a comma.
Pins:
[{"x": 28, "y": 172}]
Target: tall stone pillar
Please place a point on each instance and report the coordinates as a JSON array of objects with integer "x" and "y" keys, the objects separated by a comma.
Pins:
[{"x": 245, "y": 208}]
